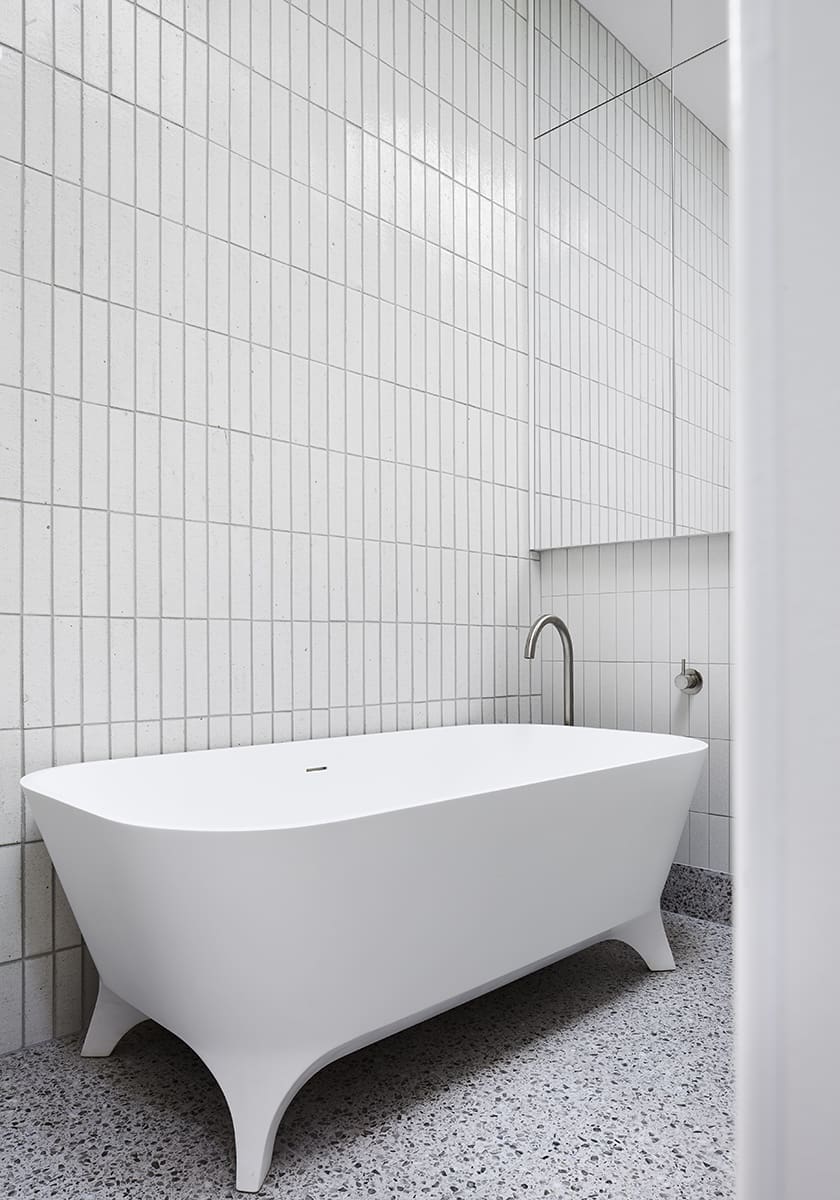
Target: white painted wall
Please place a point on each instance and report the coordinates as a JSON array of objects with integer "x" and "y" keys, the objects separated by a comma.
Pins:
[{"x": 787, "y": 240}]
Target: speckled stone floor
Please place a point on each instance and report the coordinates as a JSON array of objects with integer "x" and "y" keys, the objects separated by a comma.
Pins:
[{"x": 592, "y": 1078}]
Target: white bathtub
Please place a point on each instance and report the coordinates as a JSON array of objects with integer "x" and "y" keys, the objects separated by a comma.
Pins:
[{"x": 279, "y": 906}]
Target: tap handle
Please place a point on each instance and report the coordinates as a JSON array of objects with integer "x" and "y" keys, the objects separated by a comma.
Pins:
[{"x": 689, "y": 682}]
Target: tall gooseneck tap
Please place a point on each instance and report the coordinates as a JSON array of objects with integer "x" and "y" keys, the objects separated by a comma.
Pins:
[{"x": 568, "y": 659}]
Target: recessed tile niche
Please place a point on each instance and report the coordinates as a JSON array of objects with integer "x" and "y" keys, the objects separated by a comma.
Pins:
[{"x": 631, "y": 423}]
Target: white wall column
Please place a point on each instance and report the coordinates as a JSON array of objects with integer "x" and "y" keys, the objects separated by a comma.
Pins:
[{"x": 787, "y": 547}]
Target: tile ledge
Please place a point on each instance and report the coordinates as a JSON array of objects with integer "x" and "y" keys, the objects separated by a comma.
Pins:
[{"x": 697, "y": 892}]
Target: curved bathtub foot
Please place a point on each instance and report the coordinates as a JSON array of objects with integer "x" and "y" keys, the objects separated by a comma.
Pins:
[
  {"x": 257, "y": 1095},
  {"x": 111, "y": 1018},
  {"x": 647, "y": 936}
]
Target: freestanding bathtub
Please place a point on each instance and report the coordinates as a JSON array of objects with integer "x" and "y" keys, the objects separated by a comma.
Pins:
[{"x": 279, "y": 906}]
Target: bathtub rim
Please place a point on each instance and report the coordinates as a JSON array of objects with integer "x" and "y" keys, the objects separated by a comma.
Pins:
[{"x": 682, "y": 746}]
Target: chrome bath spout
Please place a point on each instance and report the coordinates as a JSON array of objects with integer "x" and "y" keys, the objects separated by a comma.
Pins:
[{"x": 568, "y": 659}]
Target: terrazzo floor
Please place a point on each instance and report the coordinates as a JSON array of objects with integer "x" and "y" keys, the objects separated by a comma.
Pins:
[{"x": 592, "y": 1078}]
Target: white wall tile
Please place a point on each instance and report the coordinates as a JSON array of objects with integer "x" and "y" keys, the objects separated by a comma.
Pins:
[
  {"x": 38, "y": 101},
  {"x": 11, "y": 1005},
  {"x": 38, "y": 899},
  {"x": 631, "y": 341},
  {"x": 10, "y": 893},
  {"x": 38, "y": 999},
  {"x": 10, "y": 800},
  {"x": 234, "y": 518},
  {"x": 11, "y": 102},
  {"x": 624, "y": 677},
  {"x": 68, "y": 991}
]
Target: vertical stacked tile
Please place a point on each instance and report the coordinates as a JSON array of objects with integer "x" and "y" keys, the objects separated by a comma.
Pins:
[
  {"x": 631, "y": 296},
  {"x": 703, "y": 412},
  {"x": 603, "y": 378},
  {"x": 263, "y": 394},
  {"x": 635, "y": 610}
]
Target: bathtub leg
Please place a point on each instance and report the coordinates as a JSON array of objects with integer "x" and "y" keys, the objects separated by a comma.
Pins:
[
  {"x": 648, "y": 938},
  {"x": 257, "y": 1096},
  {"x": 112, "y": 1018}
]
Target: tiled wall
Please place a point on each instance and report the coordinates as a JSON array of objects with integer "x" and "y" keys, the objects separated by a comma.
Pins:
[
  {"x": 631, "y": 296},
  {"x": 631, "y": 398},
  {"x": 603, "y": 324},
  {"x": 263, "y": 394},
  {"x": 702, "y": 352},
  {"x": 634, "y": 611}
]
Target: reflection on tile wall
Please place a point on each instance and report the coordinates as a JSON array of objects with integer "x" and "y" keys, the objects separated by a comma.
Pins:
[
  {"x": 634, "y": 611},
  {"x": 579, "y": 63},
  {"x": 263, "y": 394},
  {"x": 703, "y": 433},
  {"x": 604, "y": 398}
]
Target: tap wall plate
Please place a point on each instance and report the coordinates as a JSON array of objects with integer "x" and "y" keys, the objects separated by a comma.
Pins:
[{"x": 689, "y": 681}]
